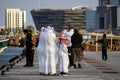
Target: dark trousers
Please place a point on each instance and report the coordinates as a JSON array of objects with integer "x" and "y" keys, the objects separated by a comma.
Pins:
[
  {"x": 70, "y": 56},
  {"x": 104, "y": 53},
  {"x": 29, "y": 57}
]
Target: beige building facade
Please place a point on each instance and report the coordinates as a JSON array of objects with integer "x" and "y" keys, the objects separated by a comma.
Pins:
[{"x": 15, "y": 19}]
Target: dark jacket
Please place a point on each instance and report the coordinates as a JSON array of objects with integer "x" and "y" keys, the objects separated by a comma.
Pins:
[
  {"x": 29, "y": 41},
  {"x": 76, "y": 40},
  {"x": 104, "y": 42}
]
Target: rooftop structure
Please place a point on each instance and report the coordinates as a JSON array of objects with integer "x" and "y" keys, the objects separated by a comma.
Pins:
[{"x": 59, "y": 18}]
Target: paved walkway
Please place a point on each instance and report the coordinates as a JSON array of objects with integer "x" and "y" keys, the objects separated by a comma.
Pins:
[
  {"x": 109, "y": 68},
  {"x": 93, "y": 68}
]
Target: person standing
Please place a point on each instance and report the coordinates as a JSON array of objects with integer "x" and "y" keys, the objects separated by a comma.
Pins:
[
  {"x": 77, "y": 48},
  {"x": 50, "y": 40},
  {"x": 63, "y": 53},
  {"x": 104, "y": 42},
  {"x": 30, "y": 45},
  {"x": 34, "y": 41},
  {"x": 41, "y": 51},
  {"x": 68, "y": 33}
]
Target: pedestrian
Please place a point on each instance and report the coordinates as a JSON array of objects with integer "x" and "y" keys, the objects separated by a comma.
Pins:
[
  {"x": 41, "y": 51},
  {"x": 63, "y": 53},
  {"x": 50, "y": 52},
  {"x": 104, "y": 42},
  {"x": 68, "y": 33},
  {"x": 77, "y": 48},
  {"x": 30, "y": 46}
]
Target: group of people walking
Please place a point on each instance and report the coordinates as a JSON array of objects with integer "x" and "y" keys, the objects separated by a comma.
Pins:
[{"x": 53, "y": 49}]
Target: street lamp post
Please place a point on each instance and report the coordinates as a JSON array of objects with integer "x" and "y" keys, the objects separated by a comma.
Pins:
[
  {"x": 110, "y": 23},
  {"x": 111, "y": 28}
]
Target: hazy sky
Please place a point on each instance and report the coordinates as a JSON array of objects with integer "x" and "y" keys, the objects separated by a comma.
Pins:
[{"x": 28, "y": 5}]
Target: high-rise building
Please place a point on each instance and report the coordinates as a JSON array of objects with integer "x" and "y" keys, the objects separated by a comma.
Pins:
[
  {"x": 91, "y": 20},
  {"x": 15, "y": 19},
  {"x": 108, "y": 15},
  {"x": 109, "y": 2},
  {"x": 104, "y": 2},
  {"x": 59, "y": 18}
]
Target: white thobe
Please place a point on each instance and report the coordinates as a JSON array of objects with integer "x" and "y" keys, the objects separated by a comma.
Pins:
[
  {"x": 41, "y": 52},
  {"x": 64, "y": 59},
  {"x": 50, "y": 51},
  {"x": 63, "y": 56},
  {"x": 68, "y": 34}
]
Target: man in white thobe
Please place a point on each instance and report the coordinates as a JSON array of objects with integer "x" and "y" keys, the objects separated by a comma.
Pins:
[
  {"x": 41, "y": 51},
  {"x": 68, "y": 34},
  {"x": 50, "y": 51},
  {"x": 63, "y": 54}
]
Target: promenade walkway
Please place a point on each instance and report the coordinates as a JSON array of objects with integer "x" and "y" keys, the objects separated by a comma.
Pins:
[{"x": 93, "y": 68}]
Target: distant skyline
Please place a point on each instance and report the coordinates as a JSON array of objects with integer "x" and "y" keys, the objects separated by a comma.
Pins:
[{"x": 28, "y": 5}]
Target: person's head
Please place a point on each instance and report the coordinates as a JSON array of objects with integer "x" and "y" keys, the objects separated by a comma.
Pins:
[
  {"x": 42, "y": 29},
  {"x": 29, "y": 31},
  {"x": 71, "y": 27},
  {"x": 64, "y": 27},
  {"x": 76, "y": 30},
  {"x": 53, "y": 29},
  {"x": 25, "y": 31},
  {"x": 104, "y": 35}
]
